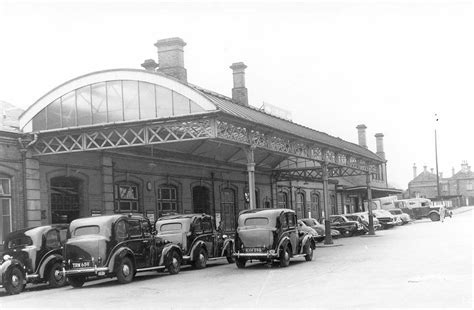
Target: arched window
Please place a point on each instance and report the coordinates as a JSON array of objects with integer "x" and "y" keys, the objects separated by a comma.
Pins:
[
  {"x": 228, "y": 219},
  {"x": 300, "y": 205},
  {"x": 65, "y": 199},
  {"x": 332, "y": 201},
  {"x": 282, "y": 200},
  {"x": 126, "y": 197},
  {"x": 315, "y": 206},
  {"x": 6, "y": 206},
  {"x": 167, "y": 199},
  {"x": 201, "y": 200}
]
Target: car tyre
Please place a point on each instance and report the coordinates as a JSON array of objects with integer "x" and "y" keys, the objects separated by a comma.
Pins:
[
  {"x": 174, "y": 265},
  {"x": 125, "y": 271},
  {"x": 308, "y": 252},
  {"x": 201, "y": 259},
  {"x": 434, "y": 217},
  {"x": 230, "y": 259},
  {"x": 56, "y": 277},
  {"x": 240, "y": 262},
  {"x": 14, "y": 281},
  {"x": 285, "y": 257},
  {"x": 76, "y": 281}
]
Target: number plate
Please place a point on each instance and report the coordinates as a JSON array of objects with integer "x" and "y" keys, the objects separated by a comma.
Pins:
[
  {"x": 81, "y": 264},
  {"x": 254, "y": 250}
]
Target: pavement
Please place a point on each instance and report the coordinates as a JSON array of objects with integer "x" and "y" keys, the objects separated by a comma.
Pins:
[{"x": 419, "y": 265}]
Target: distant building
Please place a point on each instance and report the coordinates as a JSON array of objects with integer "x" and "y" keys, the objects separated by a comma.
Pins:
[{"x": 459, "y": 187}]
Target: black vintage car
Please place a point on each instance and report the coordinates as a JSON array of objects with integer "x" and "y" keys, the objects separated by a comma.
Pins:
[
  {"x": 271, "y": 234},
  {"x": 197, "y": 237},
  {"x": 116, "y": 245},
  {"x": 345, "y": 226},
  {"x": 33, "y": 255}
]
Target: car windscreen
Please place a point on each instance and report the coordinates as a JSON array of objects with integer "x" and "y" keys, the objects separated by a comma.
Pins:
[
  {"x": 395, "y": 211},
  {"x": 352, "y": 217},
  {"x": 18, "y": 241},
  {"x": 171, "y": 227},
  {"x": 309, "y": 222},
  {"x": 86, "y": 230},
  {"x": 256, "y": 221}
]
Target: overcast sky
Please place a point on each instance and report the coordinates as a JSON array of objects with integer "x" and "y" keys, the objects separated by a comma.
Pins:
[{"x": 391, "y": 65}]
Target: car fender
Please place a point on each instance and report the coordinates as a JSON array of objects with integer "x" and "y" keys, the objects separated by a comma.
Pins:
[
  {"x": 433, "y": 212},
  {"x": 283, "y": 242},
  {"x": 120, "y": 253},
  {"x": 50, "y": 259},
  {"x": 165, "y": 253},
  {"x": 8, "y": 264},
  {"x": 228, "y": 245},
  {"x": 195, "y": 248},
  {"x": 305, "y": 241}
]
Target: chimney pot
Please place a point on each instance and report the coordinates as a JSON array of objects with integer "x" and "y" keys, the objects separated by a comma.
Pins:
[
  {"x": 239, "y": 91},
  {"x": 149, "y": 65},
  {"x": 171, "y": 58},
  {"x": 432, "y": 170},
  {"x": 361, "y": 133},
  {"x": 425, "y": 168},
  {"x": 379, "y": 142}
]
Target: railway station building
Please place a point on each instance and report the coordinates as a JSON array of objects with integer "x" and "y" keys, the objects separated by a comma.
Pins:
[{"x": 148, "y": 141}]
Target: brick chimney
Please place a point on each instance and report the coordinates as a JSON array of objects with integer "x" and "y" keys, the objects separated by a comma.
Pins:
[
  {"x": 379, "y": 142},
  {"x": 361, "y": 133},
  {"x": 453, "y": 172},
  {"x": 239, "y": 91},
  {"x": 149, "y": 65},
  {"x": 464, "y": 166},
  {"x": 425, "y": 168},
  {"x": 171, "y": 58},
  {"x": 414, "y": 171}
]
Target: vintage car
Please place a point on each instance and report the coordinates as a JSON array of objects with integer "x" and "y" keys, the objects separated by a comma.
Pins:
[
  {"x": 345, "y": 226},
  {"x": 197, "y": 237},
  {"x": 33, "y": 255},
  {"x": 305, "y": 228},
  {"x": 363, "y": 218},
  {"x": 385, "y": 218},
  {"x": 320, "y": 229},
  {"x": 270, "y": 234},
  {"x": 404, "y": 218},
  {"x": 116, "y": 245}
]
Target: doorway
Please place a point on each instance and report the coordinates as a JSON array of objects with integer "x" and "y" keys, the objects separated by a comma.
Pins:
[{"x": 201, "y": 200}]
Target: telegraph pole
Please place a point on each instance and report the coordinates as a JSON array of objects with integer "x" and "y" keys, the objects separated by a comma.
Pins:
[{"x": 436, "y": 157}]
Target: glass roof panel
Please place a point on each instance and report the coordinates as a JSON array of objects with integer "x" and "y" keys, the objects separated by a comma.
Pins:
[
  {"x": 147, "y": 100},
  {"x": 83, "y": 102},
  {"x": 114, "y": 101},
  {"x": 68, "y": 110},
  {"x": 53, "y": 114}
]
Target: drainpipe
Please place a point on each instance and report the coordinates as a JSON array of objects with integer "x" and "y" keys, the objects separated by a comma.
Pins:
[
  {"x": 214, "y": 199},
  {"x": 23, "y": 150}
]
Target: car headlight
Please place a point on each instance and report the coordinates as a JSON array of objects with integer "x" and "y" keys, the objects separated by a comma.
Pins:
[{"x": 6, "y": 257}]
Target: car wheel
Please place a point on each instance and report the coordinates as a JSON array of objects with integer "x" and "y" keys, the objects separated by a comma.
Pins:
[
  {"x": 76, "y": 281},
  {"x": 201, "y": 259},
  {"x": 434, "y": 217},
  {"x": 230, "y": 259},
  {"x": 14, "y": 281},
  {"x": 285, "y": 257},
  {"x": 56, "y": 277},
  {"x": 240, "y": 262},
  {"x": 125, "y": 271},
  {"x": 348, "y": 233},
  {"x": 308, "y": 252},
  {"x": 174, "y": 265}
]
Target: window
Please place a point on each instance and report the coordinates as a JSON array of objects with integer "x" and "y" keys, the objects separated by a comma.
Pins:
[
  {"x": 134, "y": 228},
  {"x": 300, "y": 205},
  {"x": 469, "y": 186},
  {"x": 126, "y": 198},
  {"x": 146, "y": 228},
  {"x": 167, "y": 200},
  {"x": 86, "y": 230},
  {"x": 121, "y": 231},
  {"x": 206, "y": 225},
  {"x": 52, "y": 239},
  {"x": 228, "y": 220},
  {"x": 171, "y": 227},
  {"x": 65, "y": 199},
  {"x": 6, "y": 207},
  {"x": 291, "y": 220},
  {"x": 256, "y": 221},
  {"x": 282, "y": 200}
]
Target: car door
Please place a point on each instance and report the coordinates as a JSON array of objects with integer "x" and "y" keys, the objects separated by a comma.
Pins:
[
  {"x": 136, "y": 242},
  {"x": 292, "y": 231},
  {"x": 209, "y": 236}
]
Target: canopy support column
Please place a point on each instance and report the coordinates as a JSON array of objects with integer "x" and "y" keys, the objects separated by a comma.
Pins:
[
  {"x": 369, "y": 206},
  {"x": 251, "y": 175},
  {"x": 327, "y": 223}
]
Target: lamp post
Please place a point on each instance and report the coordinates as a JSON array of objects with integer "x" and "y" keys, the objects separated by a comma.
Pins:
[{"x": 436, "y": 156}]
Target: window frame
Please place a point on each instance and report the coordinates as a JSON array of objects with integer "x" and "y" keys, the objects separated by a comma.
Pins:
[{"x": 133, "y": 202}]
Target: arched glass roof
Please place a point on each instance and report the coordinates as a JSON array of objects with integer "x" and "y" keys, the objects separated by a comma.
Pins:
[{"x": 113, "y": 96}]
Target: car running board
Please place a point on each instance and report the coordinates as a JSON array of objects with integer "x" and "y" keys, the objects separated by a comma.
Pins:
[
  {"x": 298, "y": 255},
  {"x": 150, "y": 268}
]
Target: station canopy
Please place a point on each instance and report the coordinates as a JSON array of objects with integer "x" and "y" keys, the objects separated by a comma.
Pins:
[{"x": 151, "y": 115}]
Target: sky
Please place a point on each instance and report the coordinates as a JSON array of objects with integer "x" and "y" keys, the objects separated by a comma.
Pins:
[{"x": 395, "y": 66}]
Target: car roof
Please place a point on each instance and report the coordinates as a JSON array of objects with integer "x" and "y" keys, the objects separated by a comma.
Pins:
[
  {"x": 102, "y": 220},
  {"x": 184, "y": 216},
  {"x": 267, "y": 211},
  {"x": 36, "y": 232}
]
